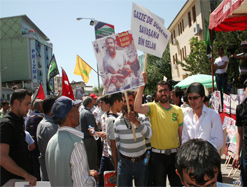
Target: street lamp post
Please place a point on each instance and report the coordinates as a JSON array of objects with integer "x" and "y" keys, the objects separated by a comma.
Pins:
[
  {"x": 92, "y": 23},
  {"x": 1, "y": 82}
]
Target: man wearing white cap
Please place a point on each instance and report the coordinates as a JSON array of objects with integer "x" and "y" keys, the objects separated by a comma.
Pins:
[
  {"x": 243, "y": 62},
  {"x": 66, "y": 158}
]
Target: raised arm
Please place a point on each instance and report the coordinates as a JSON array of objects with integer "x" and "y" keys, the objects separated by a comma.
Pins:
[{"x": 138, "y": 106}]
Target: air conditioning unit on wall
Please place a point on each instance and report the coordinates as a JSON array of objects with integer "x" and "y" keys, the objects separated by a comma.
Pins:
[{"x": 197, "y": 29}]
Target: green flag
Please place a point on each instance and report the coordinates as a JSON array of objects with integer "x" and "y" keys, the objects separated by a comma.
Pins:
[
  {"x": 52, "y": 71},
  {"x": 207, "y": 36}
]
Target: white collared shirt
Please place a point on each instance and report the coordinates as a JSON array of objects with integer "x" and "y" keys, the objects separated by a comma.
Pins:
[
  {"x": 79, "y": 162},
  {"x": 208, "y": 127}
]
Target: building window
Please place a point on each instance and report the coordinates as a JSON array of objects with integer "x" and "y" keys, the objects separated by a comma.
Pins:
[
  {"x": 181, "y": 57},
  {"x": 181, "y": 27},
  {"x": 173, "y": 59},
  {"x": 185, "y": 52},
  {"x": 174, "y": 35},
  {"x": 189, "y": 19},
  {"x": 194, "y": 14},
  {"x": 178, "y": 29},
  {"x": 171, "y": 38},
  {"x": 176, "y": 57},
  {"x": 183, "y": 24}
]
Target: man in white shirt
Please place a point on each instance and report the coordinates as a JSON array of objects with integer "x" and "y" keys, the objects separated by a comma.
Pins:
[
  {"x": 66, "y": 158},
  {"x": 202, "y": 122},
  {"x": 220, "y": 65}
]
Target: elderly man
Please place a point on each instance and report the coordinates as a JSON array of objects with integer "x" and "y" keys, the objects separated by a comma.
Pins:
[
  {"x": 15, "y": 159},
  {"x": 66, "y": 159}
]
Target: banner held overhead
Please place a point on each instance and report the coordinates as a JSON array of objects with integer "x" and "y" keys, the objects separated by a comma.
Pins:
[{"x": 149, "y": 33}]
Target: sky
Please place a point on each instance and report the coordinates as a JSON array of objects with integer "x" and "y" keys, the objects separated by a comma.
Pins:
[{"x": 57, "y": 20}]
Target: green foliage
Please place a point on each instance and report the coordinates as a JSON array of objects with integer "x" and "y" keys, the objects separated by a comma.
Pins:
[
  {"x": 225, "y": 40},
  {"x": 157, "y": 68},
  {"x": 197, "y": 61},
  {"x": 96, "y": 90}
]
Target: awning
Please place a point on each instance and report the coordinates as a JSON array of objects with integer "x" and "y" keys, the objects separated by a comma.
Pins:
[{"x": 230, "y": 15}]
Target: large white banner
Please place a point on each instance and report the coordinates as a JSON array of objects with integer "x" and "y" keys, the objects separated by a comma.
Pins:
[{"x": 149, "y": 33}]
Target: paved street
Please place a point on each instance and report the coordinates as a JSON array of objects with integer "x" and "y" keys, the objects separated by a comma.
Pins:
[{"x": 226, "y": 170}]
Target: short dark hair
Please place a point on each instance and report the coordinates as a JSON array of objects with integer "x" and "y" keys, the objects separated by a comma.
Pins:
[
  {"x": 129, "y": 93},
  {"x": 196, "y": 87},
  {"x": 185, "y": 98},
  {"x": 104, "y": 99},
  {"x": 178, "y": 92},
  {"x": 163, "y": 83},
  {"x": 48, "y": 103},
  {"x": 114, "y": 97},
  {"x": 205, "y": 99},
  {"x": 245, "y": 84},
  {"x": 5, "y": 102},
  {"x": 198, "y": 158},
  {"x": 221, "y": 48},
  {"x": 19, "y": 94}
]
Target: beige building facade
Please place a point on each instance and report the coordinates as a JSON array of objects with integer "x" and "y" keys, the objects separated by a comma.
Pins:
[{"x": 189, "y": 22}]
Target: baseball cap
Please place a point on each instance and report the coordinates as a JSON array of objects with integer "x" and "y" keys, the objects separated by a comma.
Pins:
[
  {"x": 62, "y": 106},
  {"x": 243, "y": 43},
  {"x": 93, "y": 96}
]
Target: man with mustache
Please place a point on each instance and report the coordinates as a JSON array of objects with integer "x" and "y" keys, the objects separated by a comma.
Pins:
[
  {"x": 116, "y": 66},
  {"x": 131, "y": 152},
  {"x": 167, "y": 124}
]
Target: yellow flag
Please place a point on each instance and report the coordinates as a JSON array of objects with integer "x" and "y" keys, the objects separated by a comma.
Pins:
[{"x": 82, "y": 68}]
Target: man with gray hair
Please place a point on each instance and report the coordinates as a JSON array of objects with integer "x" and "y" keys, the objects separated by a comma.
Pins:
[
  {"x": 66, "y": 159},
  {"x": 86, "y": 119}
]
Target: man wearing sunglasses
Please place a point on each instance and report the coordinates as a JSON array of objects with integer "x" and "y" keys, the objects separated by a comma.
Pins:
[{"x": 201, "y": 122}]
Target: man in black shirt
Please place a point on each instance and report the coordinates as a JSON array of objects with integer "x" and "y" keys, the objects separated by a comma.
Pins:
[
  {"x": 15, "y": 162},
  {"x": 241, "y": 122}
]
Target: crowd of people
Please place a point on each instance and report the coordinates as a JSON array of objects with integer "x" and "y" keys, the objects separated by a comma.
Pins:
[{"x": 73, "y": 143}]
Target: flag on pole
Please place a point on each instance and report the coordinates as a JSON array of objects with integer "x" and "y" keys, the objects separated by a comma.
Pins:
[
  {"x": 82, "y": 68},
  {"x": 38, "y": 94},
  {"x": 207, "y": 37},
  {"x": 52, "y": 71},
  {"x": 66, "y": 87}
]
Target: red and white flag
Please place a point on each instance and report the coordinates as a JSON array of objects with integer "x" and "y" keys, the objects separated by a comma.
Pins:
[
  {"x": 39, "y": 93},
  {"x": 66, "y": 87}
]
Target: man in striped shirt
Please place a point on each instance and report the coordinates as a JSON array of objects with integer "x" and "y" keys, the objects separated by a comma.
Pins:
[{"x": 131, "y": 152}]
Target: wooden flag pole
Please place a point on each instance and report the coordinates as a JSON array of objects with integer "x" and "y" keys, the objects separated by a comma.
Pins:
[{"x": 128, "y": 106}]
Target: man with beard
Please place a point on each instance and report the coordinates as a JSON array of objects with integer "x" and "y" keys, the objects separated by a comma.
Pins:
[
  {"x": 115, "y": 65},
  {"x": 131, "y": 152},
  {"x": 167, "y": 124}
]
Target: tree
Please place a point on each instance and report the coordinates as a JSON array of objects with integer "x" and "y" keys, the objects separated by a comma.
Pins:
[
  {"x": 157, "y": 68},
  {"x": 230, "y": 41},
  {"x": 197, "y": 61},
  {"x": 96, "y": 90}
]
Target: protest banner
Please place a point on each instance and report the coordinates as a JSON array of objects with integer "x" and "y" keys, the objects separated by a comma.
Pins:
[
  {"x": 118, "y": 62},
  {"x": 149, "y": 33}
]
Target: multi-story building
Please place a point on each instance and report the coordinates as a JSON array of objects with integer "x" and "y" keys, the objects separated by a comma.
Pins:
[
  {"x": 58, "y": 85},
  {"x": 188, "y": 23},
  {"x": 25, "y": 54}
]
